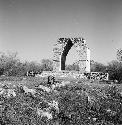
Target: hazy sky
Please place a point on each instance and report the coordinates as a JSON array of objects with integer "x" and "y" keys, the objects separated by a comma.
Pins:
[{"x": 31, "y": 27}]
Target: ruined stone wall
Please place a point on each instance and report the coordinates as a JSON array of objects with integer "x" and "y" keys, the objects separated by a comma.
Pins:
[
  {"x": 61, "y": 49},
  {"x": 99, "y": 76},
  {"x": 76, "y": 75}
]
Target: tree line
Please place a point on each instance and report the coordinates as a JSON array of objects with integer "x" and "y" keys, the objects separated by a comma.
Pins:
[{"x": 11, "y": 65}]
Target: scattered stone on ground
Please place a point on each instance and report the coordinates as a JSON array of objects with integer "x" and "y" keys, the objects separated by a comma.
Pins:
[
  {"x": 43, "y": 113},
  {"x": 27, "y": 90},
  {"x": 11, "y": 92},
  {"x": 44, "y": 88}
]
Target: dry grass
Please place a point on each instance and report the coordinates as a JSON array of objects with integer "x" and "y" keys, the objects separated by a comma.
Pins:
[{"x": 79, "y": 102}]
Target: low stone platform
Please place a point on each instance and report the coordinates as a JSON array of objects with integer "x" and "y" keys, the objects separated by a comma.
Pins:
[
  {"x": 76, "y": 75},
  {"x": 73, "y": 74}
]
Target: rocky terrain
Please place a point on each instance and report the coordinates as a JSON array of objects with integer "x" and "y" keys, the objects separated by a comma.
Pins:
[{"x": 33, "y": 101}]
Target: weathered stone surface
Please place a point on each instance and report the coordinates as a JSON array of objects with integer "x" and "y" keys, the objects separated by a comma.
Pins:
[
  {"x": 99, "y": 76},
  {"x": 61, "y": 49}
]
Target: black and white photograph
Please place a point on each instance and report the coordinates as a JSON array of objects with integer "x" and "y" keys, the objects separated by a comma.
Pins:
[{"x": 60, "y": 62}]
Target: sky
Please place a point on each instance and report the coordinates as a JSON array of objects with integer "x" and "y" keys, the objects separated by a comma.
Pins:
[{"x": 32, "y": 27}]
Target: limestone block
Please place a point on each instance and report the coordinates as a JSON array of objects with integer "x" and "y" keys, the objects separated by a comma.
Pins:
[
  {"x": 88, "y": 66},
  {"x": 82, "y": 66}
]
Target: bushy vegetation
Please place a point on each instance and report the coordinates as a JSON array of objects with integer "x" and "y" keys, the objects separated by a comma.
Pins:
[
  {"x": 11, "y": 65},
  {"x": 33, "y": 101},
  {"x": 114, "y": 68},
  {"x": 85, "y": 104},
  {"x": 79, "y": 103},
  {"x": 23, "y": 102}
]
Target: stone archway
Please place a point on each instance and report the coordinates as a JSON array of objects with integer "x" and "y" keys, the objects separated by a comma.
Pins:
[{"x": 61, "y": 49}]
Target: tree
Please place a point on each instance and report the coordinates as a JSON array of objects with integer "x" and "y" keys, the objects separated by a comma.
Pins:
[
  {"x": 72, "y": 67},
  {"x": 46, "y": 65},
  {"x": 97, "y": 67},
  {"x": 115, "y": 70},
  {"x": 8, "y": 62},
  {"x": 33, "y": 66},
  {"x": 10, "y": 65},
  {"x": 119, "y": 55}
]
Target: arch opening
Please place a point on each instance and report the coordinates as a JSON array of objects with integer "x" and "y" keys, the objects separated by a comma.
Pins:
[
  {"x": 62, "y": 48},
  {"x": 64, "y": 54}
]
